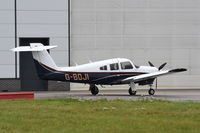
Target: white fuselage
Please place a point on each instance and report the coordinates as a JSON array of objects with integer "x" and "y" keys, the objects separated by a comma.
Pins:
[{"x": 95, "y": 67}]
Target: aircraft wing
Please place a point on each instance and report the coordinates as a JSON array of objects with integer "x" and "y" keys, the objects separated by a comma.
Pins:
[{"x": 152, "y": 75}]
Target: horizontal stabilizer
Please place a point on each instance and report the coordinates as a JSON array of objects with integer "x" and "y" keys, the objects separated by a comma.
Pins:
[{"x": 32, "y": 47}]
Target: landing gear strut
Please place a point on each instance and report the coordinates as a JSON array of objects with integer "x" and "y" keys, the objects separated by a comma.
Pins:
[
  {"x": 94, "y": 89},
  {"x": 132, "y": 90}
]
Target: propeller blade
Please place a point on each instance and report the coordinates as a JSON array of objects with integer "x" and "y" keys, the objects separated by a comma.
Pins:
[
  {"x": 150, "y": 64},
  {"x": 161, "y": 67}
]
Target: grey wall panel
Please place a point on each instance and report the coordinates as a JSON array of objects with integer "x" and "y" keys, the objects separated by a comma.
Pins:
[
  {"x": 7, "y": 16},
  {"x": 141, "y": 30},
  {"x": 7, "y": 30},
  {"x": 61, "y": 42},
  {"x": 46, "y": 18},
  {"x": 7, "y": 62},
  {"x": 7, "y": 4},
  {"x": 42, "y": 5},
  {"x": 187, "y": 3},
  {"x": 32, "y": 30},
  {"x": 83, "y": 17},
  {"x": 83, "y": 28},
  {"x": 7, "y": 71},
  {"x": 139, "y": 16},
  {"x": 42, "y": 17},
  {"x": 85, "y": 43},
  {"x": 79, "y": 4},
  {"x": 112, "y": 16},
  {"x": 194, "y": 62},
  {"x": 108, "y": 4},
  {"x": 137, "y": 29},
  {"x": 60, "y": 57},
  {"x": 158, "y": 29},
  {"x": 186, "y": 17},
  {"x": 135, "y": 3},
  {"x": 7, "y": 57},
  {"x": 109, "y": 28},
  {"x": 160, "y": 3},
  {"x": 6, "y": 44},
  {"x": 104, "y": 42}
]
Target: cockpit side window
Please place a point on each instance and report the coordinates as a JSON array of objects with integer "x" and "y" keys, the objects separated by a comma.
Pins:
[
  {"x": 126, "y": 65},
  {"x": 103, "y": 68},
  {"x": 114, "y": 66}
]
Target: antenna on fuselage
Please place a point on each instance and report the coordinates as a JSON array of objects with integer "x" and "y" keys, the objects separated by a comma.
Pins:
[{"x": 76, "y": 64}]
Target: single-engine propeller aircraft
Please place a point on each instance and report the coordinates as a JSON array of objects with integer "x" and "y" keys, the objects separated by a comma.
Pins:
[{"x": 107, "y": 72}]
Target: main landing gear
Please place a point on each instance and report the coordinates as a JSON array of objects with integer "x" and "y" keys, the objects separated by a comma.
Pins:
[
  {"x": 94, "y": 89},
  {"x": 132, "y": 90}
]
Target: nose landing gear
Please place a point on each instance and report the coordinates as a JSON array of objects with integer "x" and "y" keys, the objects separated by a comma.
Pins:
[{"x": 151, "y": 91}]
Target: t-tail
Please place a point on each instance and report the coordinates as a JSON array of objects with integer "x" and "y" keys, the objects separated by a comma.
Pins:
[{"x": 43, "y": 61}]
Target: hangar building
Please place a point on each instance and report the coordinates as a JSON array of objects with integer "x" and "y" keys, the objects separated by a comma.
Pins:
[{"x": 141, "y": 30}]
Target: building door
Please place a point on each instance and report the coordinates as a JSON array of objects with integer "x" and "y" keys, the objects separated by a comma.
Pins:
[{"x": 28, "y": 74}]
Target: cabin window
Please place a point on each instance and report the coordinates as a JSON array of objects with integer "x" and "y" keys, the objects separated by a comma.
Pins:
[
  {"x": 114, "y": 66},
  {"x": 103, "y": 68},
  {"x": 126, "y": 65}
]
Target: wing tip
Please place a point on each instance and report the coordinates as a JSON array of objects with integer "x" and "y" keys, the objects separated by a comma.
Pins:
[{"x": 178, "y": 70}]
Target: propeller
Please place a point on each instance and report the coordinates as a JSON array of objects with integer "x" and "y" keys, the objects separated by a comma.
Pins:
[
  {"x": 151, "y": 64},
  {"x": 159, "y": 68},
  {"x": 163, "y": 65}
]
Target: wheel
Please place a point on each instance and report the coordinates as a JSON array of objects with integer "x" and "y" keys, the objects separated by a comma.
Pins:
[
  {"x": 94, "y": 90},
  {"x": 131, "y": 92},
  {"x": 151, "y": 91}
]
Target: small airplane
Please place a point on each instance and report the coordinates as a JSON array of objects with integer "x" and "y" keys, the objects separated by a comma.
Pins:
[{"x": 115, "y": 71}]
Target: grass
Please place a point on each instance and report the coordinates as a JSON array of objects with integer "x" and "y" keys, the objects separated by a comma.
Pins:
[{"x": 101, "y": 116}]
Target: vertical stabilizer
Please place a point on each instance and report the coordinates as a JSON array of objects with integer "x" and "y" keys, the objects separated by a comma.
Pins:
[
  {"x": 43, "y": 61},
  {"x": 42, "y": 56}
]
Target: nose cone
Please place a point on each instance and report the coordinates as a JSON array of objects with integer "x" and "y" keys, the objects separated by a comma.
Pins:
[
  {"x": 155, "y": 69},
  {"x": 148, "y": 69}
]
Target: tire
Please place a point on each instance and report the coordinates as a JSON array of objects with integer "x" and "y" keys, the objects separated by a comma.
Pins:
[
  {"x": 151, "y": 91},
  {"x": 131, "y": 92},
  {"x": 94, "y": 90}
]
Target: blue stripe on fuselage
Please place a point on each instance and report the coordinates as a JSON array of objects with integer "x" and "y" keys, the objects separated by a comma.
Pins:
[{"x": 103, "y": 78}]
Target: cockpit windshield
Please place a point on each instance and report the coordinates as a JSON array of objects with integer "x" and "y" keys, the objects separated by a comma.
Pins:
[{"x": 126, "y": 65}]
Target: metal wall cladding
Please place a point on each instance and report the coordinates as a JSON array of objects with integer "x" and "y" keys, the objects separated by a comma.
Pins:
[
  {"x": 35, "y": 18},
  {"x": 46, "y": 18},
  {"x": 7, "y": 40},
  {"x": 141, "y": 30}
]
